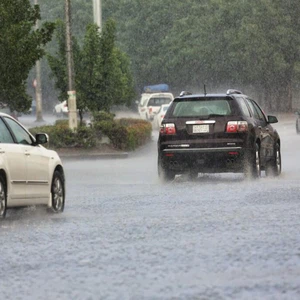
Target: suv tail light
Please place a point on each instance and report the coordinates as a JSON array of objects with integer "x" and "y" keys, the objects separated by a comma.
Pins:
[
  {"x": 236, "y": 126},
  {"x": 150, "y": 110},
  {"x": 168, "y": 129}
]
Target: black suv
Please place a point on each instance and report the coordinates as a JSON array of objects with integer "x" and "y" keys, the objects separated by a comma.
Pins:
[{"x": 215, "y": 133}]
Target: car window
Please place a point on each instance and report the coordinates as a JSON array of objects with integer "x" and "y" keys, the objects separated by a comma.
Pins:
[
  {"x": 244, "y": 107},
  {"x": 159, "y": 101},
  {"x": 5, "y": 135},
  {"x": 255, "y": 110},
  {"x": 259, "y": 111},
  {"x": 21, "y": 135},
  {"x": 202, "y": 108}
]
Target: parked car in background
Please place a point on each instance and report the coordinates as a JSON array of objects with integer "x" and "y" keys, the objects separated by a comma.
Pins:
[
  {"x": 214, "y": 133},
  {"x": 61, "y": 109},
  {"x": 151, "y": 103},
  {"x": 160, "y": 115},
  {"x": 29, "y": 173},
  {"x": 297, "y": 122}
]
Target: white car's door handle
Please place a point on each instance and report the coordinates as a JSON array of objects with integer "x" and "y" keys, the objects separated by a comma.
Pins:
[{"x": 2, "y": 151}]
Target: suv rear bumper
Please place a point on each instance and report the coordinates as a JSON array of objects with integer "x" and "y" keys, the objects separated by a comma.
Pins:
[{"x": 206, "y": 160}]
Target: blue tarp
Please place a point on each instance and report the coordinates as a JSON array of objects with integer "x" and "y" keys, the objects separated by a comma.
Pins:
[{"x": 156, "y": 88}]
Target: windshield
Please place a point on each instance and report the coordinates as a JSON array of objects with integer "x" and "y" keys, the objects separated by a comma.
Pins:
[{"x": 201, "y": 108}]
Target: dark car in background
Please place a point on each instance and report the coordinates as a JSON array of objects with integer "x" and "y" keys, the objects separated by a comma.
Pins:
[{"x": 215, "y": 133}]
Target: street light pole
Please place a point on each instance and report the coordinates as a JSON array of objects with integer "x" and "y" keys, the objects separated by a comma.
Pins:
[
  {"x": 70, "y": 65},
  {"x": 97, "y": 13},
  {"x": 38, "y": 86}
]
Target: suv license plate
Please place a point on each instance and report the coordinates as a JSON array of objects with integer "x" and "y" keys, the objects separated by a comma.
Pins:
[{"x": 200, "y": 128}]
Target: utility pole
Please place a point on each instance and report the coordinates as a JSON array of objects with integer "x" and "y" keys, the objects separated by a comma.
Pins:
[
  {"x": 98, "y": 13},
  {"x": 38, "y": 86},
  {"x": 70, "y": 65}
]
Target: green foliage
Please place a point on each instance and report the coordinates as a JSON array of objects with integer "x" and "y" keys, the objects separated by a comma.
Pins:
[
  {"x": 20, "y": 47},
  {"x": 124, "y": 134},
  {"x": 250, "y": 45},
  {"x": 216, "y": 42},
  {"x": 138, "y": 132},
  {"x": 61, "y": 136},
  {"x": 102, "y": 71},
  {"x": 99, "y": 116}
]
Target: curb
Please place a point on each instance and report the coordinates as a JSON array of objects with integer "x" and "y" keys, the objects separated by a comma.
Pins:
[{"x": 120, "y": 155}]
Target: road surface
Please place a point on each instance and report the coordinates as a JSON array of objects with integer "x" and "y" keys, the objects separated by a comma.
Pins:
[{"x": 124, "y": 235}]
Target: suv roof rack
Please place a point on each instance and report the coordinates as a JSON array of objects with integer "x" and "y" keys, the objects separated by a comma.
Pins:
[
  {"x": 233, "y": 91},
  {"x": 184, "y": 93}
]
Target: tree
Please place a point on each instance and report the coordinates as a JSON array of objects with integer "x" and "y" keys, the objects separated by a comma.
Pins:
[
  {"x": 250, "y": 45},
  {"x": 20, "y": 47},
  {"x": 102, "y": 71},
  {"x": 104, "y": 78}
]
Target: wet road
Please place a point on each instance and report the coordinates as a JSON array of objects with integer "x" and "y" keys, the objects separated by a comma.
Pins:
[{"x": 124, "y": 235}]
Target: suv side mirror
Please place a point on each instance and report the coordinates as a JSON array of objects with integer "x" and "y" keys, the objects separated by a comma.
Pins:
[{"x": 272, "y": 119}]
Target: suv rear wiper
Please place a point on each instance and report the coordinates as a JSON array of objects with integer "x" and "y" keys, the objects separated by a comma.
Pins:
[{"x": 212, "y": 115}]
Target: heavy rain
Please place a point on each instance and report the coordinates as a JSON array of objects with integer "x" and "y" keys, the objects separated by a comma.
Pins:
[{"x": 124, "y": 233}]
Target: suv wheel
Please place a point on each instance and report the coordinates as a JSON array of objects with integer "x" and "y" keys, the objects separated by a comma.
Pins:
[
  {"x": 274, "y": 167},
  {"x": 164, "y": 173},
  {"x": 253, "y": 167}
]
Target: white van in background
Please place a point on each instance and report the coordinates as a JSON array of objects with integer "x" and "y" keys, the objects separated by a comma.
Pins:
[{"x": 150, "y": 104}]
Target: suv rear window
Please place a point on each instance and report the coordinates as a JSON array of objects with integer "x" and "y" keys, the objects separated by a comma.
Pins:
[
  {"x": 159, "y": 101},
  {"x": 201, "y": 107}
]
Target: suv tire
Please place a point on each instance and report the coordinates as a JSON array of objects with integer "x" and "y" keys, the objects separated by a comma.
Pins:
[
  {"x": 253, "y": 166},
  {"x": 164, "y": 174},
  {"x": 274, "y": 166}
]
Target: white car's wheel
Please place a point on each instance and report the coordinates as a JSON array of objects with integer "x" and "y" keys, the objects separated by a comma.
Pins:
[
  {"x": 58, "y": 192},
  {"x": 3, "y": 197}
]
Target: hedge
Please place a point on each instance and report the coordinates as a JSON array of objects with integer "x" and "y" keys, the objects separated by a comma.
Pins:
[{"x": 124, "y": 134}]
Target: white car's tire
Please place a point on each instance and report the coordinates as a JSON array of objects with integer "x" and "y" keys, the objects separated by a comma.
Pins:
[
  {"x": 58, "y": 192},
  {"x": 3, "y": 197}
]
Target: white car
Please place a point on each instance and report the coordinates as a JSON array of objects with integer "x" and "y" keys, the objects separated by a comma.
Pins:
[
  {"x": 150, "y": 104},
  {"x": 160, "y": 115},
  {"x": 61, "y": 108},
  {"x": 30, "y": 174}
]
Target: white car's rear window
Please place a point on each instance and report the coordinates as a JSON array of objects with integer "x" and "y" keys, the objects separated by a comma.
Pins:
[{"x": 159, "y": 101}]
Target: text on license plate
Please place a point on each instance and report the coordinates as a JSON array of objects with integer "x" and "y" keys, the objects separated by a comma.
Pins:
[{"x": 200, "y": 128}]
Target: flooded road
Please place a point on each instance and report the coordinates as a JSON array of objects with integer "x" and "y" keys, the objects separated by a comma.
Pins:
[{"x": 124, "y": 235}]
